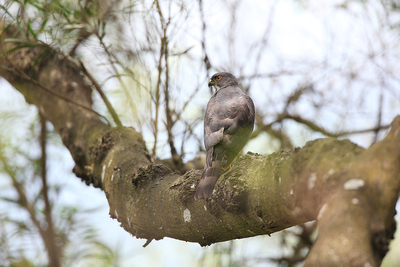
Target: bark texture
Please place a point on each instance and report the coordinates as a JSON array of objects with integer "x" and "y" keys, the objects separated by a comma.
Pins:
[{"x": 351, "y": 191}]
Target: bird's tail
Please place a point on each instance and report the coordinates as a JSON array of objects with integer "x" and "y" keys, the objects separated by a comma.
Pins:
[{"x": 207, "y": 182}]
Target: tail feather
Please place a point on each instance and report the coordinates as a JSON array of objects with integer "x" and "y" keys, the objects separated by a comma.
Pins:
[
  {"x": 206, "y": 187},
  {"x": 211, "y": 172},
  {"x": 207, "y": 182}
]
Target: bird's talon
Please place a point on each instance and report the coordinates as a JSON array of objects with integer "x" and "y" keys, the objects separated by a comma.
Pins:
[{"x": 226, "y": 169}]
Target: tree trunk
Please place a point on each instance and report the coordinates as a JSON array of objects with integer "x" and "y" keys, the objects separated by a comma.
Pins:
[{"x": 352, "y": 192}]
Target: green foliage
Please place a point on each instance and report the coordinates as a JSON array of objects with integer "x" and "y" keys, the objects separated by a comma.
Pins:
[{"x": 59, "y": 23}]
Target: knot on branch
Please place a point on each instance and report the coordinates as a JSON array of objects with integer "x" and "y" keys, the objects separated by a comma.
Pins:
[
  {"x": 100, "y": 150},
  {"x": 149, "y": 173}
]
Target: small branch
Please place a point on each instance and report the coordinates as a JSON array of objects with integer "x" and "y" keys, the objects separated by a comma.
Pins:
[
  {"x": 29, "y": 207},
  {"x": 206, "y": 61},
  {"x": 317, "y": 128},
  {"x": 176, "y": 158},
  {"x": 295, "y": 96},
  {"x": 267, "y": 75},
  {"x": 52, "y": 248},
  {"x": 102, "y": 95},
  {"x": 379, "y": 115},
  {"x": 97, "y": 86},
  {"x": 157, "y": 100},
  {"x": 281, "y": 117},
  {"x": 148, "y": 241}
]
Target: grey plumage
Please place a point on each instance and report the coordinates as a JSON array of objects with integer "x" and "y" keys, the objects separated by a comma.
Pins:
[{"x": 228, "y": 123}]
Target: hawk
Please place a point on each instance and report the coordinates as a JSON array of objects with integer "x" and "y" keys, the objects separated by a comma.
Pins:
[{"x": 228, "y": 123}]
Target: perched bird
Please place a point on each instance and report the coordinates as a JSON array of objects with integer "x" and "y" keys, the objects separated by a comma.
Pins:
[{"x": 228, "y": 123}]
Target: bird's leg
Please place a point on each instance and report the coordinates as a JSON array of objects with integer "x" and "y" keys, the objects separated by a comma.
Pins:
[{"x": 226, "y": 169}]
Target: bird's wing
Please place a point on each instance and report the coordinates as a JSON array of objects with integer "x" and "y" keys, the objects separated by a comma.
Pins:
[
  {"x": 238, "y": 127},
  {"x": 228, "y": 123}
]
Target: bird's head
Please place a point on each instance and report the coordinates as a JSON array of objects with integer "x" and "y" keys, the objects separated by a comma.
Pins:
[{"x": 222, "y": 79}]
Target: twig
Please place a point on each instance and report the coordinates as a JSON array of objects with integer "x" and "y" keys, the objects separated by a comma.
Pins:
[
  {"x": 379, "y": 115},
  {"x": 29, "y": 207},
  {"x": 157, "y": 99},
  {"x": 317, "y": 128},
  {"x": 96, "y": 85},
  {"x": 102, "y": 95},
  {"x": 206, "y": 61},
  {"x": 176, "y": 158},
  {"x": 50, "y": 233}
]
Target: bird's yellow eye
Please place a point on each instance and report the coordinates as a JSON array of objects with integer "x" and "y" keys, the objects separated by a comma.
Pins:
[{"x": 219, "y": 78}]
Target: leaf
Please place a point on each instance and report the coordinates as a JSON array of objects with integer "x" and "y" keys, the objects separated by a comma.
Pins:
[
  {"x": 20, "y": 29},
  {"x": 63, "y": 9},
  {"x": 11, "y": 200},
  {"x": 103, "y": 30},
  {"x": 40, "y": 55},
  {"x": 182, "y": 53},
  {"x": 21, "y": 46},
  {"x": 13, "y": 40},
  {"x": 43, "y": 25},
  {"x": 31, "y": 30},
  {"x": 5, "y": 29},
  {"x": 39, "y": 8},
  {"x": 88, "y": 11}
]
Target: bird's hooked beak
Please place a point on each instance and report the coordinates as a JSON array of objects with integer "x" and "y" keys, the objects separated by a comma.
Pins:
[{"x": 211, "y": 83}]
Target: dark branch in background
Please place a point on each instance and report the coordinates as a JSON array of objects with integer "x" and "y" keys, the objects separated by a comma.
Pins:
[
  {"x": 188, "y": 133},
  {"x": 206, "y": 61},
  {"x": 157, "y": 99},
  {"x": 295, "y": 96},
  {"x": 158, "y": 86},
  {"x": 176, "y": 158},
  {"x": 53, "y": 250},
  {"x": 379, "y": 115},
  {"x": 317, "y": 128},
  {"x": 24, "y": 203},
  {"x": 300, "y": 248},
  {"x": 278, "y": 134},
  {"x": 281, "y": 117},
  {"x": 267, "y": 75}
]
